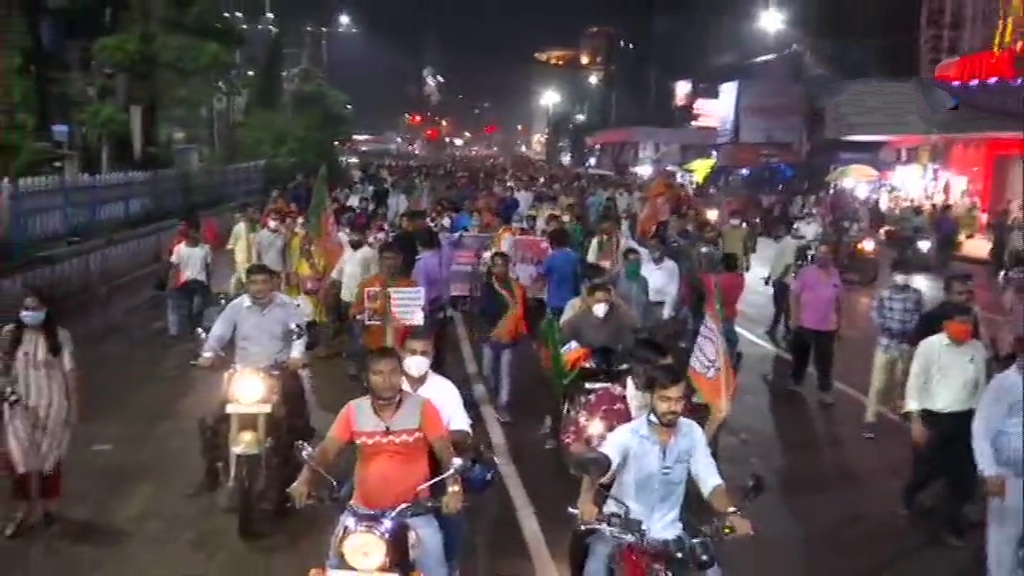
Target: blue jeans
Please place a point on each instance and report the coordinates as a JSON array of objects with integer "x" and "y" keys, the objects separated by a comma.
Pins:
[
  {"x": 429, "y": 557},
  {"x": 185, "y": 305},
  {"x": 599, "y": 557},
  {"x": 497, "y": 368}
]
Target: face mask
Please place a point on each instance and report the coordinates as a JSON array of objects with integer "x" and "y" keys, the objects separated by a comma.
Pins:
[
  {"x": 632, "y": 270},
  {"x": 273, "y": 225},
  {"x": 566, "y": 219},
  {"x": 32, "y": 318},
  {"x": 416, "y": 366},
  {"x": 735, "y": 221},
  {"x": 958, "y": 332},
  {"x": 600, "y": 309}
]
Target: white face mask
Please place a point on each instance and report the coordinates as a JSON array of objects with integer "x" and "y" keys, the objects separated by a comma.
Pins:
[
  {"x": 600, "y": 309},
  {"x": 735, "y": 221},
  {"x": 416, "y": 366},
  {"x": 273, "y": 225}
]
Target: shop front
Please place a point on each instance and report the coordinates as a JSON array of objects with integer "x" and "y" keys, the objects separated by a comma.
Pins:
[{"x": 969, "y": 159}]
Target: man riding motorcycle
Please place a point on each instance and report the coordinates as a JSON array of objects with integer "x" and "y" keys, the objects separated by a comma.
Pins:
[
  {"x": 394, "y": 431},
  {"x": 652, "y": 458},
  {"x": 261, "y": 322},
  {"x": 605, "y": 324}
]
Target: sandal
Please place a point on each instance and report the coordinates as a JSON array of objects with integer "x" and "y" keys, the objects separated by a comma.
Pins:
[{"x": 17, "y": 526}]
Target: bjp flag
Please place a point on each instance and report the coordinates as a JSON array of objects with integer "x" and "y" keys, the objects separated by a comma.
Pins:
[
  {"x": 711, "y": 370},
  {"x": 657, "y": 206}
]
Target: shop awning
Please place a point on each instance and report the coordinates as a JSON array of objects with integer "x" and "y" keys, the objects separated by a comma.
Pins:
[{"x": 874, "y": 110}]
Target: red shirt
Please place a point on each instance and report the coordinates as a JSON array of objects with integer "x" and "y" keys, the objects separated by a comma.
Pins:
[{"x": 730, "y": 288}]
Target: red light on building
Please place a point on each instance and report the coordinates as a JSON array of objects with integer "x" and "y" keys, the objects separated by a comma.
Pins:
[
  {"x": 989, "y": 66},
  {"x": 490, "y": 129},
  {"x": 432, "y": 134}
]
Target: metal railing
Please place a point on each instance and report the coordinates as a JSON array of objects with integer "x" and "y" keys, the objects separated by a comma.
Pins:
[{"x": 41, "y": 211}]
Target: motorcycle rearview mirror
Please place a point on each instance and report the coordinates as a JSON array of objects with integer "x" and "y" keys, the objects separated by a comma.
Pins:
[
  {"x": 297, "y": 332},
  {"x": 305, "y": 451},
  {"x": 592, "y": 463},
  {"x": 754, "y": 488}
]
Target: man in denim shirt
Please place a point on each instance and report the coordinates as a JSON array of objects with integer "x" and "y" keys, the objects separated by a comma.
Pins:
[{"x": 652, "y": 457}]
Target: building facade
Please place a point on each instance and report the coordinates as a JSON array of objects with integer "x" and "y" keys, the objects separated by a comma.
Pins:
[{"x": 951, "y": 27}]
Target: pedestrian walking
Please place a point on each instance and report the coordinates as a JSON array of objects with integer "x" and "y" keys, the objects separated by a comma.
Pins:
[
  {"x": 40, "y": 408},
  {"x": 947, "y": 376},
  {"x": 816, "y": 306},
  {"x": 895, "y": 312},
  {"x": 997, "y": 435}
]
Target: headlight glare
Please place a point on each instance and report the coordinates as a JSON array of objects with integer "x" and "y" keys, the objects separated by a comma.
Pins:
[
  {"x": 924, "y": 245},
  {"x": 364, "y": 550},
  {"x": 867, "y": 245},
  {"x": 247, "y": 388}
]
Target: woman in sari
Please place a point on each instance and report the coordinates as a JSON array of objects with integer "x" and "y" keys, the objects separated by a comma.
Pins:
[
  {"x": 306, "y": 277},
  {"x": 39, "y": 409}
]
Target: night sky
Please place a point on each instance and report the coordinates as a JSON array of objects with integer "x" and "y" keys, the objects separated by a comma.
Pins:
[{"x": 483, "y": 48}]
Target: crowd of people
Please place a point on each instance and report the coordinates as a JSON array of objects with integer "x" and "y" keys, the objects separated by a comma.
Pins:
[{"x": 635, "y": 267}]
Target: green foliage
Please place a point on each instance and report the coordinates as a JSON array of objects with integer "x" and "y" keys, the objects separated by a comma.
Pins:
[
  {"x": 101, "y": 120},
  {"x": 302, "y": 140}
]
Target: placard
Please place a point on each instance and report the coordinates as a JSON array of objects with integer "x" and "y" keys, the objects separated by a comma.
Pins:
[
  {"x": 528, "y": 256},
  {"x": 407, "y": 306},
  {"x": 466, "y": 252}
]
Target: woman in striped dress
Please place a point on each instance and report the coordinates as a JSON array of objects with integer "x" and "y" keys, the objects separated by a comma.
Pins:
[{"x": 42, "y": 404}]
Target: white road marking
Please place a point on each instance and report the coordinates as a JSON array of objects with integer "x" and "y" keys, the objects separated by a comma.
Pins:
[
  {"x": 540, "y": 555},
  {"x": 848, "y": 390}
]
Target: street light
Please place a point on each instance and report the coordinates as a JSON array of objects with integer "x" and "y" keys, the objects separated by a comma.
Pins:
[
  {"x": 345, "y": 23},
  {"x": 549, "y": 99},
  {"x": 593, "y": 79},
  {"x": 771, "y": 20}
]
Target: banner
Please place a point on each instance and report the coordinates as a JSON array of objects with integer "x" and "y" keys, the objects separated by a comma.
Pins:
[
  {"x": 467, "y": 250},
  {"x": 406, "y": 306},
  {"x": 528, "y": 255}
]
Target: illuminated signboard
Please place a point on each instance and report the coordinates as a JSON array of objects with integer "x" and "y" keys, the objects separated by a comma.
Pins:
[
  {"x": 707, "y": 113},
  {"x": 990, "y": 66},
  {"x": 681, "y": 92}
]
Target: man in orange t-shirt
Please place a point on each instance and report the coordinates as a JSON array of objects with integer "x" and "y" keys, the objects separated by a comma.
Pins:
[
  {"x": 371, "y": 304},
  {"x": 394, "y": 432}
]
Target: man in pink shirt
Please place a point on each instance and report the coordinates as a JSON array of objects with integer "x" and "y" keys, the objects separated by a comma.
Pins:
[{"x": 816, "y": 307}]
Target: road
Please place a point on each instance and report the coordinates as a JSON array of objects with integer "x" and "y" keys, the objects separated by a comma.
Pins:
[{"x": 830, "y": 509}]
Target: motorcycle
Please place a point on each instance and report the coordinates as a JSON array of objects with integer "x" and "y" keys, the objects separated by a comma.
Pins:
[
  {"x": 381, "y": 542},
  {"x": 911, "y": 252},
  {"x": 635, "y": 552},
  {"x": 246, "y": 448},
  {"x": 595, "y": 403},
  {"x": 859, "y": 264}
]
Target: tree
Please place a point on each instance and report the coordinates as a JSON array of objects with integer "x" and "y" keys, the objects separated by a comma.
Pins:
[
  {"x": 174, "y": 54},
  {"x": 303, "y": 138},
  {"x": 103, "y": 122}
]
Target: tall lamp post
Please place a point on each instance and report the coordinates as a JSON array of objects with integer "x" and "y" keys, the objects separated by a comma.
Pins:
[{"x": 549, "y": 99}]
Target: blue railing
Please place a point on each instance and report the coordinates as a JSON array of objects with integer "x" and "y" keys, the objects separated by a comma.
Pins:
[{"x": 45, "y": 210}]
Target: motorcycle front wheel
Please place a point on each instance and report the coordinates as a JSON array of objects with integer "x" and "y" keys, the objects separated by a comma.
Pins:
[{"x": 247, "y": 481}]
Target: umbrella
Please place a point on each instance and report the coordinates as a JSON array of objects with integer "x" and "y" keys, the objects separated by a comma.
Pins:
[{"x": 855, "y": 172}]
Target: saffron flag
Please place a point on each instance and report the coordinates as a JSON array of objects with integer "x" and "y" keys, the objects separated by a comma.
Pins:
[
  {"x": 658, "y": 200},
  {"x": 711, "y": 370},
  {"x": 321, "y": 224}
]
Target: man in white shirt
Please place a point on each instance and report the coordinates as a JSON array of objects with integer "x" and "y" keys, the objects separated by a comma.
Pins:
[
  {"x": 662, "y": 276},
  {"x": 780, "y": 274},
  {"x": 357, "y": 263},
  {"x": 189, "y": 280},
  {"x": 947, "y": 378},
  {"x": 418, "y": 378}
]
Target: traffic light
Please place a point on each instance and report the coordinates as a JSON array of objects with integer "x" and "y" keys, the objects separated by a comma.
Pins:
[
  {"x": 490, "y": 129},
  {"x": 432, "y": 134},
  {"x": 416, "y": 119}
]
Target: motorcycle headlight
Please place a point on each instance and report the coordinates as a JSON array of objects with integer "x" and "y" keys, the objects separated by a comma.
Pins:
[
  {"x": 247, "y": 388},
  {"x": 867, "y": 245},
  {"x": 364, "y": 550},
  {"x": 711, "y": 214},
  {"x": 924, "y": 245},
  {"x": 596, "y": 429}
]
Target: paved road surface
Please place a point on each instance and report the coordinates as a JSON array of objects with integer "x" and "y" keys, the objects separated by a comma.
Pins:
[{"x": 830, "y": 509}]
